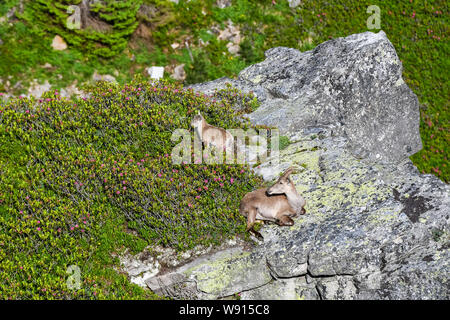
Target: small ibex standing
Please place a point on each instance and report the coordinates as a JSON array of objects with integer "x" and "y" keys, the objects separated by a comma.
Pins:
[
  {"x": 210, "y": 135},
  {"x": 278, "y": 203}
]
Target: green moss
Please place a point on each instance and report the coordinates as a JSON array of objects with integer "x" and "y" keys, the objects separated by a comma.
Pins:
[{"x": 346, "y": 195}]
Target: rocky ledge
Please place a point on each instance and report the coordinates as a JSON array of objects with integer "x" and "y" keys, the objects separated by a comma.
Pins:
[{"x": 375, "y": 227}]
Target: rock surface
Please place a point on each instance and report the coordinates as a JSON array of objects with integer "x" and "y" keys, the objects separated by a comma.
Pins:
[
  {"x": 294, "y": 3},
  {"x": 155, "y": 72},
  {"x": 375, "y": 227},
  {"x": 232, "y": 34},
  {"x": 222, "y": 4}
]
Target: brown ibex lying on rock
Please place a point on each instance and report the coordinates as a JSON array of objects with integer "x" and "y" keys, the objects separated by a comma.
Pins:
[
  {"x": 212, "y": 136},
  {"x": 278, "y": 203}
]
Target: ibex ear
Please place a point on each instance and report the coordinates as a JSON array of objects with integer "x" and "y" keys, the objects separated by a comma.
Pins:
[{"x": 288, "y": 172}]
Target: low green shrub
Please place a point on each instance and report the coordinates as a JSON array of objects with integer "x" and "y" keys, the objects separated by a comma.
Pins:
[{"x": 77, "y": 174}]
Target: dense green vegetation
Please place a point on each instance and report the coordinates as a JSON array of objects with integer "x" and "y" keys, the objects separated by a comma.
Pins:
[{"x": 77, "y": 174}]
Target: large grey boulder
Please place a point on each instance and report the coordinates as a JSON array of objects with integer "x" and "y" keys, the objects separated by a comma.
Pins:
[{"x": 353, "y": 83}]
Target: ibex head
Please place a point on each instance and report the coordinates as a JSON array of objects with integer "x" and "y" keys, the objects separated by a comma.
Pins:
[
  {"x": 283, "y": 185},
  {"x": 197, "y": 120}
]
